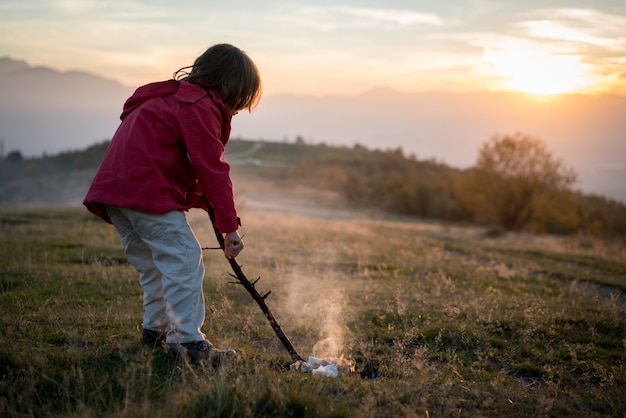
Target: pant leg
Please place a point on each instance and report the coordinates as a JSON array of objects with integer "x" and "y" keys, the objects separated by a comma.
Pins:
[
  {"x": 177, "y": 254},
  {"x": 139, "y": 255}
]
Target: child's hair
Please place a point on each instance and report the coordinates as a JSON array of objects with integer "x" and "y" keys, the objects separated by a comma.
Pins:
[{"x": 228, "y": 70}]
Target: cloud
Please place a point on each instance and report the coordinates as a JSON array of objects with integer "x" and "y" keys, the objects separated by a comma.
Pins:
[
  {"x": 395, "y": 17},
  {"x": 565, "y": 49},
  {"x": 597, "y": 39},
  {"x": 548, "y": 29},
  {"x": 341, "y": 18},
  {"x": 582, "y": 26}
]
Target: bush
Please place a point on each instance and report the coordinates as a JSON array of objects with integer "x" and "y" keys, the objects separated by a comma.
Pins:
[{"x": 513, "y": 183}]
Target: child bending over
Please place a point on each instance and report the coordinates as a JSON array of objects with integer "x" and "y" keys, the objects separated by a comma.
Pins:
[{"x": 166, "y": 158}]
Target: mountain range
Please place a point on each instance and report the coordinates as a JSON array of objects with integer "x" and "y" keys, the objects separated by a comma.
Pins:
[{"x": 47, "y": 111}]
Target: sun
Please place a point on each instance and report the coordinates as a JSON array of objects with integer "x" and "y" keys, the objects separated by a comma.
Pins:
[{"x": 539, "y": 72}]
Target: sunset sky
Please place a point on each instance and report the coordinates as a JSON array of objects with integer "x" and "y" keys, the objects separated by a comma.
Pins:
[{"x": 335, "y": 47}]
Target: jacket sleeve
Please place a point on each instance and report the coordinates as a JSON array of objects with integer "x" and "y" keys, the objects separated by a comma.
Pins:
[{"x": 202, "y": 133}]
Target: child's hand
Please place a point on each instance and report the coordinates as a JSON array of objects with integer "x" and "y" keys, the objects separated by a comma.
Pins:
[{"x": 232, "y": 244}]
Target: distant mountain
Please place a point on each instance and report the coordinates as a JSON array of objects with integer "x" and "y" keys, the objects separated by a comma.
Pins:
[
  {"x": 8, "y": 66},
  {"x": 47, "y": 111},
  {"x": 43, "y": 110}
]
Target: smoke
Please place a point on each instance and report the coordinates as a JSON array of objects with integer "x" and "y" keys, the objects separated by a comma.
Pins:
[{"x": 316, "y": 298}]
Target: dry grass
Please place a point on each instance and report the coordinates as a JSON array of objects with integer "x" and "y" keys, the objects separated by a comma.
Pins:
[{"x": 464, "y": 325}]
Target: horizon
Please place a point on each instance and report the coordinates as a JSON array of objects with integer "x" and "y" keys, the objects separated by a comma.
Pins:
[
  {"x": 368, "y": 90},
  {"x": 313, "y": 48},
  {"x": 74, "y": 111}
]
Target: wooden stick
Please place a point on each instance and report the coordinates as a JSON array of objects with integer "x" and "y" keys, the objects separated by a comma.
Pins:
[{"x": 259, "y": 299}]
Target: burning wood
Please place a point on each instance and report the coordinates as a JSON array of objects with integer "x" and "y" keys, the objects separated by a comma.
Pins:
[{"x": 329, "y": 367}]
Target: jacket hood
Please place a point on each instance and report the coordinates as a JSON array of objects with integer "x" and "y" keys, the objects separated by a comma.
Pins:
[{"x": 185, "y": 92}]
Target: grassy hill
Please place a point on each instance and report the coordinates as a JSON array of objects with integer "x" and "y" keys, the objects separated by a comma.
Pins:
[
  {"x": 463, "y": 321},
  {"x": 64, "y": 177},
  {"x": 461, "y": 324},
  {"x": 384, "y": 179}
]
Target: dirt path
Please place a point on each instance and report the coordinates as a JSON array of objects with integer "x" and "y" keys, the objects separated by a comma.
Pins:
[{"x": 256, "y": 194}]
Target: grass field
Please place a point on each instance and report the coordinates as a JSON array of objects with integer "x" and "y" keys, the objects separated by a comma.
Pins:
[{"x": 463, "y": 324}]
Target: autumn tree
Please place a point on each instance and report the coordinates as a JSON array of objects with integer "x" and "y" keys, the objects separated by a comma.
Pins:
[{"x": 514, "y": 176}]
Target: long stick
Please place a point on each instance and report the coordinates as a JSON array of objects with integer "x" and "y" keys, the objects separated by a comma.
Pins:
[{"x": 260, "y": 300}]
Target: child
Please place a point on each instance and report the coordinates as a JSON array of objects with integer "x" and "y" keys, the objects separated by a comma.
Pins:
[{"x": 165, "y": 158}]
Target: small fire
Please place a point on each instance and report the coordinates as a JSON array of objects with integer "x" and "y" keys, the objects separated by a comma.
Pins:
[{"x": 329, "y": 367}]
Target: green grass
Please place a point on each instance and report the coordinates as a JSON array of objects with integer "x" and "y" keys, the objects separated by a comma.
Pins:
[{"x": 463, "y": 324}]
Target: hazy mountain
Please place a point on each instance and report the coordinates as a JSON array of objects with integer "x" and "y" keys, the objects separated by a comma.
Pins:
[
  {"x": 43, "y": 110},
  {"x": 7, "y": 66}
]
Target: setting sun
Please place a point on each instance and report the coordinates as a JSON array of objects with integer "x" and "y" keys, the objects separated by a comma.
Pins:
[{"x": 539, "y": 72}]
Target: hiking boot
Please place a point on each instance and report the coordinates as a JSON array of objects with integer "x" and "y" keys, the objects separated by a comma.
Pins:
[
  {"x": 200, "y": 352},
  {"x": 152, "y": 338}
]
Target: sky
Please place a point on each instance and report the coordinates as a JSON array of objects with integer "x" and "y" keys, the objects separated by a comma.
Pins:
[{"x": 335, "y": 47}]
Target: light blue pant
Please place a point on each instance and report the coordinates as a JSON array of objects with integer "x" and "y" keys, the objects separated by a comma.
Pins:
[{"x": 166, "y": 253}]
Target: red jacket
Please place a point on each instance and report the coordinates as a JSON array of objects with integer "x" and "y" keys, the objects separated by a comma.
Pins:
[{"x": 167, "y": 155}]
